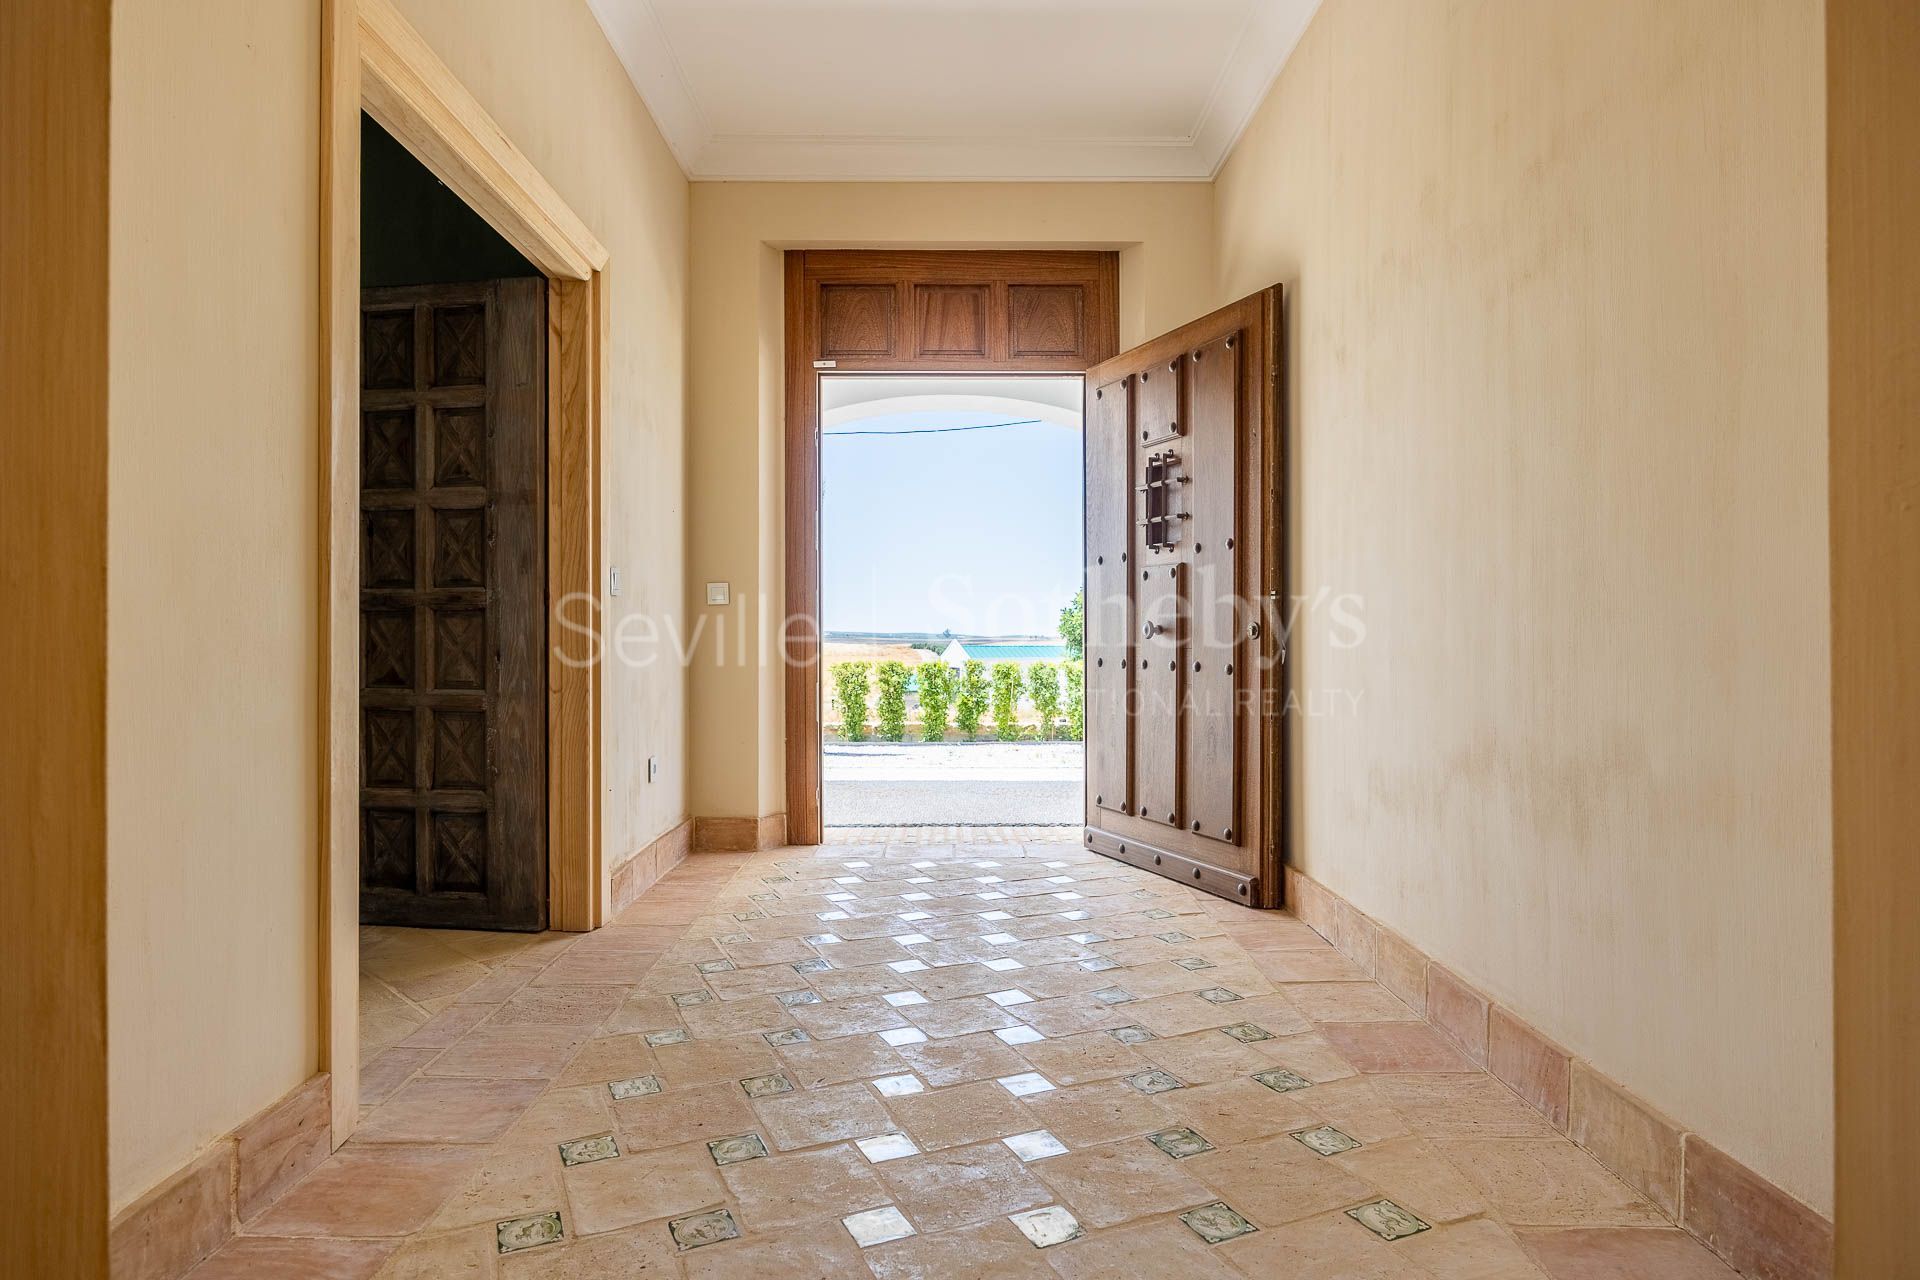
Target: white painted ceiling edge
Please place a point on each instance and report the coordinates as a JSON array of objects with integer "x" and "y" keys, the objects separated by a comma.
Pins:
[
  {"x": 1054, "y": 400},
  {"x": 1273, "y": 29}
]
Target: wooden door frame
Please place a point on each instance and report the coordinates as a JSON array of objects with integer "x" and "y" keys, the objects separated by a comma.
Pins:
[
  {"x": 800, "y": 646},
  {"x": 372, "y": 59}
]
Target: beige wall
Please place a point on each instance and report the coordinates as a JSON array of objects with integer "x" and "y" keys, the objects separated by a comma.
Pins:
[
  {"x": 1559, "y": 406},
  {"x": 735, "y": 474},
  {"x": 213, "y": 726}
]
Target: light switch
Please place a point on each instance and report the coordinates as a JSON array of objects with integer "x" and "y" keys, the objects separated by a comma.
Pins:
[
  {"x": 613, "y": 580},
  {"x": 719, "y": 593},
  {"x": 653, "y": 768}
]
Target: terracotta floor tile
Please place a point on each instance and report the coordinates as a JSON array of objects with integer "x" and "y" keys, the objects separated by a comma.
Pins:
[
  {"x": 809, "y": 1117},
  {"x": 786, "y": 1190},
  {"x": 638, "y": 1253},
  {"x": 1547, "y": 1182},
  {"x": 391, "y": 1068},
  {"x": 1460, "y": 1106},
  {"x": 989, "y": 1251},
  {"x": 1235, "y": 1111},
  {"x": 640, "y": 1186},
  {"x": 370, "y": 1189},
  {"x": 467, "y": 1254},
  {"x": 823, "y": 1249},
  {"x": 1348, "y": 1002},
  {"x": 980, "y": 1056},
  {"x": 816, "y": 1063},
  {"x": 1078, "y": 1059},
  {"x": 1088, "y": 1114},
  {"x": 962, "y": 1186},
  {"x": 1416, "y": 1176},
  {"x": 433, "y": 1110},
  {"x": 560, "y": 1007},
  {"x": 251, "y": 1257},
  {"x": 1277, "y": 1181},
  {"x": 1119, "y": 1182},
  {"x": 506, "y": 1182},
  {"x": 1622, "y": 1253},
  {"x": 961, "y": 1115},
  {"x": 699, "y": 1113},
  {"x": 509, "y": 1053},
  {"x": 707, "y": 1061},
  {"x": 1205, "y": 1057},
  {"x": 515, "y": 1012},
  {"x": 1164, "y": 1248},
  {"x": 1477, "y": 1250}
]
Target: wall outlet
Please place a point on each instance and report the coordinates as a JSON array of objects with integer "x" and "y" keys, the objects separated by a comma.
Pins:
[{"x": 719, "y": 592}]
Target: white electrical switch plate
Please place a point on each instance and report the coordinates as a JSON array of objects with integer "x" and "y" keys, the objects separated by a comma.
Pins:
[
  {"x": 613, "y": 581},
  {"x": 719, "y": 593}
]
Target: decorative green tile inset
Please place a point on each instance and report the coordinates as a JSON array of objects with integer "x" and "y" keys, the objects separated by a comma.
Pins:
[
  {"x": 1048, "y": 1227},
  {"x": 1327, "y": 1140},
  {"x": 1281, "y": 1080},
  {"x": 1131, "y": 1034},
  {"x": 1191, "y": 963},
  {"x": 714, "y": 966},
  {"x": 589, "y": 1150},
  {"x": 1387, "y": 1220},
  {"x": 792, "y": 998},
  {"x": 781, "y": 1039},
  {"x": 659, "y": 1039},
  {"x": 687, "y": 999},
  {"x": 1216, "y": 1222},
  {"x": 811, "y": 966},
  {"x": 700, "y": 1229},
  {"x": 527, "y": 1233},
  {"x": 1174, "y": 935},
  {"x": 1112, "y": 995},
  {"x": 766, "y": 1086},
  {"x": 638, "y": 1087},
  {"x": 746, "y": 1146},
  {"x": 1247, "y": 1032},
  {"x": 1217, "y": 995},
  {"x": 1155, "y": 1081},
  {"x": 1180, "y": 1143}
]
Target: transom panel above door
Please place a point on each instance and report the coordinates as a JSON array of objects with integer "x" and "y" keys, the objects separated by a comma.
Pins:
[{"x": 1184, "y": 556}]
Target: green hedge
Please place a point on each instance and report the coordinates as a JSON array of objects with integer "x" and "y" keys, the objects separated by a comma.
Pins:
[
  {"x": 970, "y": 702},
  {"x": 1006, "y": 700},
  {"x": 850, "y": 695},
  {"x": 891, "y": 707},
  {"x": 936, "y": 695}
]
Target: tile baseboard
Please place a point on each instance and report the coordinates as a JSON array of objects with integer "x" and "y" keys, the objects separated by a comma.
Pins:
[
  {"x": 175, "y": 1226},
  {"x": 1760, "y": 1230},
  {"x": 640, "y": 869},
  {"x": 739, "y": 835}
]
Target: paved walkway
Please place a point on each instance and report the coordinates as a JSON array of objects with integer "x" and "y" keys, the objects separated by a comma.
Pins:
[{"x": 894, "y": 784}]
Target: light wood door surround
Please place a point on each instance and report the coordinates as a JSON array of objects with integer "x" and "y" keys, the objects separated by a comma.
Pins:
[
  {"x": 453, "y": 607},
  {"x": 1183, "y": 651},
  {"x": 901, "y": 311}
]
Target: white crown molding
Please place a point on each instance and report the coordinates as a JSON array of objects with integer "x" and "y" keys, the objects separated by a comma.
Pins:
[{"x": 1272, "y": 30}]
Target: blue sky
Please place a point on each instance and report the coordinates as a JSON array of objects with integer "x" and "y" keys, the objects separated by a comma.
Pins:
[{"x": 972, "y": 531}]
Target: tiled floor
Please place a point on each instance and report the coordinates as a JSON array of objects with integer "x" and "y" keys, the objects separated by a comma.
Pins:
[{"x": 918, "y": 1059}]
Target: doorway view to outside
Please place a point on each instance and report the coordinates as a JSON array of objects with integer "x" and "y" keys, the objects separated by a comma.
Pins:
[{"x": 951, "y": 576}]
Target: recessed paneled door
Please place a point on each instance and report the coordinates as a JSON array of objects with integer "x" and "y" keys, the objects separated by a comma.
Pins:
[{"x": 453, "y": 606}]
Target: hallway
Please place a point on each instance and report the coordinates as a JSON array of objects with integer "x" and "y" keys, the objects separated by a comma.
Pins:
[{"x": 931, "y": 1059}]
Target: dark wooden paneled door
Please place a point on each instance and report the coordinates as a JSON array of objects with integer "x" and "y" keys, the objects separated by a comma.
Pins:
[
  {"x": 453, "y": 606},
  {"x": 1184, "y": 566}
]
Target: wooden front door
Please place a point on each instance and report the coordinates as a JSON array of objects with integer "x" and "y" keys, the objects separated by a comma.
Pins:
[
  {"x": 453, "y": 758},
  {"x": 1184, "y": 560}
]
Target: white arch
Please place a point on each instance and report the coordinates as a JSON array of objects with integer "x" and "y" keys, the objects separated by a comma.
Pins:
[{"x": 1053, "y": 400}]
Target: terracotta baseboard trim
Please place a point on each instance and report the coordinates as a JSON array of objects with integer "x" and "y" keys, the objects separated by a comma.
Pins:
[
  {"x": 1760, "y": 1230},
  {"x": 739, "y": 835},
  {"x": 639, "y": 870},
  {"x": 175, "y": 1226}
]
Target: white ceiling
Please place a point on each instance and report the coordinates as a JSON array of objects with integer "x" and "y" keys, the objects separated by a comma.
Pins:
[{"x": 953, "y": 89}]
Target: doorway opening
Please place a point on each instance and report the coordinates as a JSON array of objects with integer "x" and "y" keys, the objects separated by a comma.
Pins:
[{"x": 952, "y": 575}]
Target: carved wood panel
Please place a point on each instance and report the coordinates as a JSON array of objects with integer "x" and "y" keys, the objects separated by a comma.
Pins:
[
  {"x": 1184, "y": 768},
  {"x": 453, "y": 606}
]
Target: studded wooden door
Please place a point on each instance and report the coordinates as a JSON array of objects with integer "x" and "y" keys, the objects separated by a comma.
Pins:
[
  {"x": 1184, "y": 565},
  {"x": 453, "y": 606}
]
